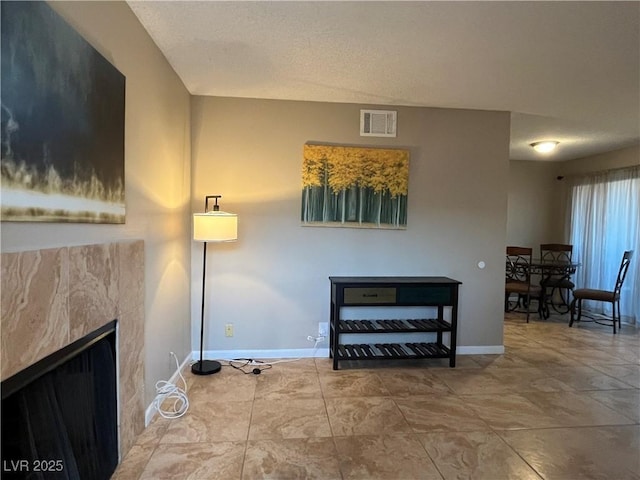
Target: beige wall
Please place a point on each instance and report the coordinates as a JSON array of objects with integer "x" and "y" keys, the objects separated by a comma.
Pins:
[
  {"x": 157, "y": 172},
  {"x": 272, "y": 284},
  {"x": 625, "y": 157},
  {"x": 535, "y": 212}
]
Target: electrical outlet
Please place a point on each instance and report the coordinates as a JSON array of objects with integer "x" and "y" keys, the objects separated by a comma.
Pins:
[
  {"x": 228, "y": 330},
  {"x": 323, "y": 329}
]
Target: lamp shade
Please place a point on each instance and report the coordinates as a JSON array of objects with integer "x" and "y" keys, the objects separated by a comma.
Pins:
[{"x": 215, "y": 227}]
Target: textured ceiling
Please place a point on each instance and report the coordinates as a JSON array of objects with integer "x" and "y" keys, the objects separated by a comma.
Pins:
[{"x": 568, "y": 71}]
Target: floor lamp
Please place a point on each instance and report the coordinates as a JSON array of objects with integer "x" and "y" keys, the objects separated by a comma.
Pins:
[{"x": 211, "y": 226}]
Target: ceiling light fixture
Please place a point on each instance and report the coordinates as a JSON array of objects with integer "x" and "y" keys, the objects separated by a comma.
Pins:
[{"x": 544, "y": 147}]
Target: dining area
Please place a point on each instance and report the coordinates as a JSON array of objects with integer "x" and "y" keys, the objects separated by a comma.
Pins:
[{"x": 543, "y": 283}]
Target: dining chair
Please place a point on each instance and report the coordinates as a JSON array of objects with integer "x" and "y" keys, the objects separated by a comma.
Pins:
[
  {"x": 560, "y": 285},
  {"x": 518, "y": 281},
  {"x": 610, "y": 296}
]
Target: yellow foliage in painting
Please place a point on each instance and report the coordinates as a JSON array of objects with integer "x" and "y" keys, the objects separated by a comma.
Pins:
[
  {"x": 346, "y": 167},
  {"x": 313, "y": 166}
]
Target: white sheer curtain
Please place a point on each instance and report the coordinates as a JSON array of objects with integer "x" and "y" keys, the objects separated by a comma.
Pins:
[{"x": 604, "y": 222}]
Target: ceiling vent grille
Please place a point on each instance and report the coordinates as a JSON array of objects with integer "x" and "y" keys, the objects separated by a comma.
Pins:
[{"x": 378, "y": 123}]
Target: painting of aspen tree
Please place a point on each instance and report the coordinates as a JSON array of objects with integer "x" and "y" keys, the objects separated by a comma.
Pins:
[{"x": 354, "y": 187}]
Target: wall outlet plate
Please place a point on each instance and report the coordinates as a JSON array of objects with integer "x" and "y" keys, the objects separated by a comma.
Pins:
[
  {"x": 228, "y": 330},
  {"x": 323, "y": 329}
]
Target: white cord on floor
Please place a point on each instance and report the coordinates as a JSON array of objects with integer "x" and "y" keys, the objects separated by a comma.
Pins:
[
  {"x": 168, "y": 391},
  {"x": 257, "y": 363}
]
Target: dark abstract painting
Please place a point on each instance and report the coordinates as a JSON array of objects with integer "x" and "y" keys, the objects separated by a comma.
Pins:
[{"x": 63, "y": 107}]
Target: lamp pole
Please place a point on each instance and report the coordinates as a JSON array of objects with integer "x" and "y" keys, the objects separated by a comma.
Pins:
[{"x": 205, "y": 367}]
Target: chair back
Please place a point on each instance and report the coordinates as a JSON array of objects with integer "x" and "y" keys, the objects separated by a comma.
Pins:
[
  {"x": 518, "y": 259},
  {"x": 622, "y": 273},
  {"x": 556, "y": 252}
]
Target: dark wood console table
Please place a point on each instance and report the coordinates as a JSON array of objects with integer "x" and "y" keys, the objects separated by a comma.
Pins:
[{"x": 440, "y": 292}]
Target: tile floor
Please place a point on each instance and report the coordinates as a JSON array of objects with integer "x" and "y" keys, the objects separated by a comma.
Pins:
[{"x": 561, "y": 403}]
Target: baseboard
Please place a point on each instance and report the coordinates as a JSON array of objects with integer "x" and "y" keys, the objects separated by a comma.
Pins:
[
  {"x": 263, "y": 354},
  {"x": 480, "y": 350},
  {"x": 151, "y": 412}
]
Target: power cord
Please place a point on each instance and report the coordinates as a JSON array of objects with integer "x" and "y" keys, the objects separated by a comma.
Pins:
[
  {"x": 260, "y": 366},
  {"x": 316, "y": 341},
  {"x": 168, "y": 391}
]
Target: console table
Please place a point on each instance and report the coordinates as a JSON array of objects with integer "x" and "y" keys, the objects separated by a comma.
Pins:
[{"x": 440, "y": 292}]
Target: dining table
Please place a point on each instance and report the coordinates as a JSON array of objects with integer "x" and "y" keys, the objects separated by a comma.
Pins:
[{"x": 547, "y": 269}]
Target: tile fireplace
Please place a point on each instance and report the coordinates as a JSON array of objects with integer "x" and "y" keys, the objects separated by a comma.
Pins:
[{"x": 53, "y": 297}]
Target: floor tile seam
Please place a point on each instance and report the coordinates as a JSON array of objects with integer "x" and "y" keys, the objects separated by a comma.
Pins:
[
  {"x": 513, "y": 449},
  {"x": 322, "y": 390},
  {"x": 557, "y": 376},
  {"x": 629, "y": 423},
  {"x": 195, "y": 443},
  {"x": 286, "y": 398},
  {"x": 277, "y": 438},
  {"x": 246, "y": 443},
  {"x": 433, "y": 462},
  {"x": 607, "y": 389},
  {"x": 398, "y": 409},
  {"x": 404, "y": 417},
  {"x": 588, "y": 366},
  {"x": 356, "y": 396},
  {"x": 605, "y": 350},
  {"x": 628, "y": 363},
  {"x": 146, "y": 463},
  {"x": 200, "y": 442},
  {"x": 408, "y": 433},
  {"x": 549, "y": 416},
  {"x": 556, "y": 416},
  {"x": 164, "y": 430},
  {"x": 565, "y": 427},
  {"x": 337, "y": 453},
  {"x": 525, "y": 394},
  {"x": 421, "y": 397},
  {"x": 403, "y": 434},
  {"x": 515, "y": 392},
  {"x": 544, "y": 375},
  {"x": 326, "y": 412},
  {"x": 624, "y": 414},
  {"x": 360, "y": 396},
  {"x": 592, "y": 364}
]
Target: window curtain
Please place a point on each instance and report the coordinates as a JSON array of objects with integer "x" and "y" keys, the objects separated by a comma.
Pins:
[{"x": 604, "y": 221}]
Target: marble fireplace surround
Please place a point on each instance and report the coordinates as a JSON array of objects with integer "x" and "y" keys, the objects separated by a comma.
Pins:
[{"x": 51, "y": 298}]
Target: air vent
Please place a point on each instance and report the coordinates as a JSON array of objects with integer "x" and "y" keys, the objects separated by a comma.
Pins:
[{"x": 378, "y": 123}]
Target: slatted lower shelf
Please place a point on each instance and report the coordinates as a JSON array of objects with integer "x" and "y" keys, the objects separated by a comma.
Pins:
[
  {"x": 387, "y": 326},
  {"x": 364, "y": 351}
]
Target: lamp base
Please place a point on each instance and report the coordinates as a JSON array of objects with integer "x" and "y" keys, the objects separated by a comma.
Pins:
[{"x": 205, "y": 367}]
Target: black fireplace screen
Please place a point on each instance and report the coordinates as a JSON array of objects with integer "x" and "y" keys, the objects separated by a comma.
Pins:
[{"x": 63, "y": 425}]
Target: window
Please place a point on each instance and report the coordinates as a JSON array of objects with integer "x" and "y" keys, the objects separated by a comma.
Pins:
[{"x": 604, "y": 222}]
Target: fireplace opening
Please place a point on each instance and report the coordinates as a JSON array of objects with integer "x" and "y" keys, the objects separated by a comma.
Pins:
[{"x": 60, "y": 415}]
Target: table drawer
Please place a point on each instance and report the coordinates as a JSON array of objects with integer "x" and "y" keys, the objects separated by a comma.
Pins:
[
  {"x": 369, "y": 295},
  {"x": 432, "y": 295}
]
